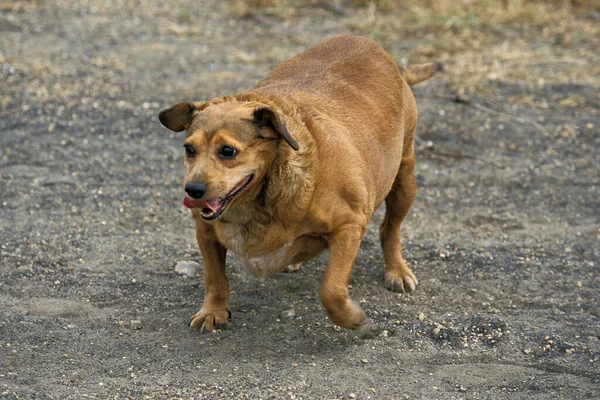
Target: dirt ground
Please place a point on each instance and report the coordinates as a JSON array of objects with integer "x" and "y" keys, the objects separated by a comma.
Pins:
[{"x": 504, "y": 235}]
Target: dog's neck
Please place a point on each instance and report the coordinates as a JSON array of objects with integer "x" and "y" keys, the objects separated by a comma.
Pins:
[{"x": 288, "y": 183}]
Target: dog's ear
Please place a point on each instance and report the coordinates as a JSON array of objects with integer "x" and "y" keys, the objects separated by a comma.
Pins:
[
  {"x": 179, "y": 117},
  {"x": 266, "y": 116}
]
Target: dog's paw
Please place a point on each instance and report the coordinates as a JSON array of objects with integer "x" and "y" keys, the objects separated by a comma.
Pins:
[
  {"x": 369, "y": 330},
  {"x": 401, "y": 282},
  {"x": 211, "y": 320},
  {"x": 348, "y": 315}
]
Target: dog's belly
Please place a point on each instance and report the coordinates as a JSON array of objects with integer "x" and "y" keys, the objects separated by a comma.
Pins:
[{"x": 266, "y": 263}]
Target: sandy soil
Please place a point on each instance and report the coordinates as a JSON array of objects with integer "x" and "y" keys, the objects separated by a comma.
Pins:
[{"x": 504, "y": 235}]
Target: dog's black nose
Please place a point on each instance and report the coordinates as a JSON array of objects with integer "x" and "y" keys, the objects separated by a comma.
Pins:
[{"x": 196, "y": 190}]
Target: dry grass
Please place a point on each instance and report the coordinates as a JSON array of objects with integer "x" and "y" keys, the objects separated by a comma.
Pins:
[
  {"x": 439, "y": 6},
  {"x": 532, "y": 42},
  {"x": 20, "y": 5},
  {"x": 529, "y": 42}
]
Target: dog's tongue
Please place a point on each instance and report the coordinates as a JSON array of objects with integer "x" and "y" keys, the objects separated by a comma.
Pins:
[{"x": 212, "y": 205}]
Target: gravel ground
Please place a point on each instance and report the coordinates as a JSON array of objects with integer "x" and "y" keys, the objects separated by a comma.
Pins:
[{"x": 504, "y": 235}]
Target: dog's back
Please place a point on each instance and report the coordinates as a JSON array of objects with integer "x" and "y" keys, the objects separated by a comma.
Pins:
[
  {"x": 353, "y": 88},
  {"x": 345, "y": 72}
]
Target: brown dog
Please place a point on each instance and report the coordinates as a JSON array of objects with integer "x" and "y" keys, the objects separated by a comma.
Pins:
[{"x": 298, "y": 165}]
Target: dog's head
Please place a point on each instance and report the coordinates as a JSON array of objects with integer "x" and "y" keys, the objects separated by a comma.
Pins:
[{"x": 228, "y": 148}]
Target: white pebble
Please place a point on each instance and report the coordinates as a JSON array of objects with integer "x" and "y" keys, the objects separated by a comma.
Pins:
[
  {"x": 135, "y": 324},
  {"x": 287, "y": 314},
  {"x": 187, "y": 268}
]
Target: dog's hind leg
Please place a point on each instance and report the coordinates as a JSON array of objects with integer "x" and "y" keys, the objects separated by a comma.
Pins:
[{"x": 398, "y": 277}]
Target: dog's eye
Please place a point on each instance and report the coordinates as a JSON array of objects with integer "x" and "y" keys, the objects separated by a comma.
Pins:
[
  {"x": 227, "y": 152},
  {"x": 189, "y": 150}
]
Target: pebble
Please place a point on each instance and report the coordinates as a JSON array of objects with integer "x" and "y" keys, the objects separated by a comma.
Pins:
[
  {"x": 187, "y": 268},
  {"x": 287, "y": 314},
  {"x": 135, "y": 324}
]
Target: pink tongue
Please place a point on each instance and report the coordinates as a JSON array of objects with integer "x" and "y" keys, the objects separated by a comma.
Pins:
[{"x": 212, "y": 205}]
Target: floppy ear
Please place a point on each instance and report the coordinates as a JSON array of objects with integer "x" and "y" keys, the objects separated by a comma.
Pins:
[
  {"x": 178, "y": 117},
  {"x": 266, "y": 116}
]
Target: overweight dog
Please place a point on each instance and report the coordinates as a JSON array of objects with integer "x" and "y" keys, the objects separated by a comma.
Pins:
[{"x": 297, "y": 165}]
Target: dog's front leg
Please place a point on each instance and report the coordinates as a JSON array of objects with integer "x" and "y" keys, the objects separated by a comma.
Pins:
[
  {"x": 215, "y": 310},
  {"x": 343, "y": 247}
]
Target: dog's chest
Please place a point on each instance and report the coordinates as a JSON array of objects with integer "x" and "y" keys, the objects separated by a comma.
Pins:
[
  {"x": 260, "y": 255},
  {"x": 267, "y": 264}
]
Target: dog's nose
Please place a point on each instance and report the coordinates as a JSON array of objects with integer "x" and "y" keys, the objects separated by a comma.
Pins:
[{"x": 196, "y": 189}]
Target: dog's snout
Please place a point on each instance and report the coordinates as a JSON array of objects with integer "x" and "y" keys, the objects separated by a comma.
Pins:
[{"x": 196, "y": 189}]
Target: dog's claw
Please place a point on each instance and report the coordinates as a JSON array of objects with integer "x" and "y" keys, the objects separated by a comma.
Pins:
[
  {"x": 210, "y": 321},
  {"x": 397, "y": 283}
]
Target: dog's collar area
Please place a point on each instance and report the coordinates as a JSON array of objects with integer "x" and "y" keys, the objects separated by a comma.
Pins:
[{"x": 261, "y": 198}]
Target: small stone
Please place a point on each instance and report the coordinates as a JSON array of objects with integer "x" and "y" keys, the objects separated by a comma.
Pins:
[
  {"x": 135, "y": 324},
  {"x": 351, "y": 396},
  {"x": 421, "y": 317},
  {"x": 435, "y": 331},
  {"x": 462, "y": 389},
  {"x": 187, "y": 268},
  {"x": 578, "y": 284},
  {"x": 287, "y": 314},
  {"x": 364, "y": 361}
]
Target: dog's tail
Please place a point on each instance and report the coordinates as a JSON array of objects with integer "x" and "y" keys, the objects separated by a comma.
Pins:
[{"x": 416, "y": 73}]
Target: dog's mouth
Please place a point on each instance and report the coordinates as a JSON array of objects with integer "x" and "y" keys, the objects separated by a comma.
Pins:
[{"x": 212, "y": 209}]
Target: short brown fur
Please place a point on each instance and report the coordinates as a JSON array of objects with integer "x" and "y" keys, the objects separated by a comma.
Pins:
[{"x": 327, "y": 137}]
